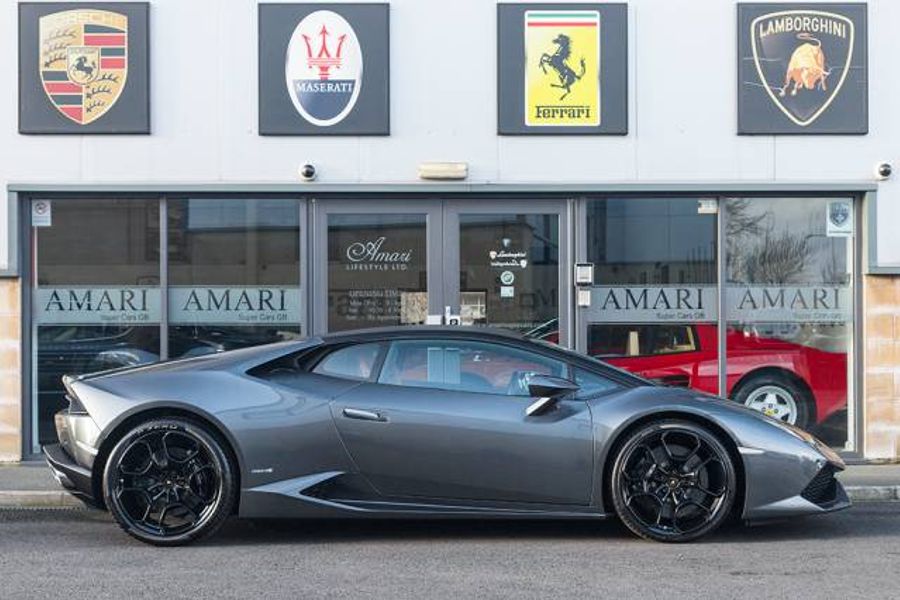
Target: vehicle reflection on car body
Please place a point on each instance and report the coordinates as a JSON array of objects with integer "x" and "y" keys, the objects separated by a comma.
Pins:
[{"x": 425, "y": 422}]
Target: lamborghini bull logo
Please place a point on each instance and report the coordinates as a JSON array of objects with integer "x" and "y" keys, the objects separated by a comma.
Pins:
[
  {"x": 807, "y": 67},
  {"x": 796, "y": 76}
]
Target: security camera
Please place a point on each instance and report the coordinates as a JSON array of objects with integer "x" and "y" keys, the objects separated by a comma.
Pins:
[
  {"x": 883, "y": 170},
  {"x": 307, "y": 172}
]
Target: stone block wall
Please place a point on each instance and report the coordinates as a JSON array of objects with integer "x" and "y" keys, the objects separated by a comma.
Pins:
[{"x": 10, "y": 371}]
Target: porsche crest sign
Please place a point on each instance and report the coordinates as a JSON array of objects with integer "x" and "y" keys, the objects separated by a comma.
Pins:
[
  {"x": 83, "y": 68},
  {"x": 84, "y": 61}
]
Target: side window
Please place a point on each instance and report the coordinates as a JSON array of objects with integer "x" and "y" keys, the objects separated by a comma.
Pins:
[
  {"x": 590, "y": 384},
  {"x": 465, "y": 366},
  {"x": 350, "y": 362}
]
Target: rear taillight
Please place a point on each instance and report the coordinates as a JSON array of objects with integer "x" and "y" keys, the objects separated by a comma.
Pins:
[{"x": 75, "y": 405}]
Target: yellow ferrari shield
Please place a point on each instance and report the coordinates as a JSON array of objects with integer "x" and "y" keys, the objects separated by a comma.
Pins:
[
  {"x": 83, "y": 61},
  {"x": 562, "y": 68}
]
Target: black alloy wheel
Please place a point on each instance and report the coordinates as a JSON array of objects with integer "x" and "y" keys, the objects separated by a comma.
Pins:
[
  {"x": 169, "y": 482},
  {"x": 673, "y": 481}
]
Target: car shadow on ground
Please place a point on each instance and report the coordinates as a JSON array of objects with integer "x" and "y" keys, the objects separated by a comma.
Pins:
[{"x": 263, "y": 531}]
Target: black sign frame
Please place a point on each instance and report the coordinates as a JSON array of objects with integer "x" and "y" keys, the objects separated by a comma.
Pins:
[
  {"x": 370, "y": 116},
  {"x": 130, "y": 114},
  {"x": 768, "y": 103},
  {"x": 613, "y": 79}
]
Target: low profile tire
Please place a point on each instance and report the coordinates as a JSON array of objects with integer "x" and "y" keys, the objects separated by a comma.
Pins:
[
  {"x": 777, "y": 396},
  {"x": 673, "y": 481},
  {"x": 169, "y": 482}
]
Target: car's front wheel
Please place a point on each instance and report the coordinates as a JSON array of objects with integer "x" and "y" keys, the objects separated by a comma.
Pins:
[
  {"x": 169, "y": 482},
  {"x": 673, "y": 481}
]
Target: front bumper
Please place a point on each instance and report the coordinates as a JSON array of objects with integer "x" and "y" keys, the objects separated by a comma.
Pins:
[
  {"x": 825, "y": 491},
  {"x": 73, "y": 477}
]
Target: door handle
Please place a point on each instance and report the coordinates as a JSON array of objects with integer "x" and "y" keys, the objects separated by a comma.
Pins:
[{"x": 363, "y": 415}]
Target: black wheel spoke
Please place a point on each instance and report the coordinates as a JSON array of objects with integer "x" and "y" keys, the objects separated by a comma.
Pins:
[
  {"x": 709, "y": 492},
  {"x": 143, "y": 467},
  {"x": 158, "y": 452},
  {"x": 692, "y": 453},
  {"x": 689, "y": 503},
  {"x": 189, "y": 453},
  {"x": 665, "y": 447}
]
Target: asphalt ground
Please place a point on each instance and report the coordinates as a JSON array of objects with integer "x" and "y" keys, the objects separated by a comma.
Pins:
[{"x": 82, "y": 554}]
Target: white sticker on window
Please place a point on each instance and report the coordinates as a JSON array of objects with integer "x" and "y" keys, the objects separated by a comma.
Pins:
[
  {"x": 96, "y": 305},
  {"x": 234, "y": 305}
]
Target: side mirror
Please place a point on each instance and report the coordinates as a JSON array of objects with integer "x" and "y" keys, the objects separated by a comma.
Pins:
[{"x": 547, "y": 390}]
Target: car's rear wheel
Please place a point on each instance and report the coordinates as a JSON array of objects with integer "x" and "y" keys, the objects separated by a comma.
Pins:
[
  {"x": 169, "y": 482},
  {"x": 777, "y": 396},
  {"x": 673, "y": 481}
]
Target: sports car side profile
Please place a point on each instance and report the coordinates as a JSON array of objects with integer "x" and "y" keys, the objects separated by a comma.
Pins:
[{"x": 430, "y": 423}]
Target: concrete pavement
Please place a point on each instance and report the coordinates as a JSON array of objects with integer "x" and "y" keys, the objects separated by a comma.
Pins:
[{"x": 77, "y": 554}]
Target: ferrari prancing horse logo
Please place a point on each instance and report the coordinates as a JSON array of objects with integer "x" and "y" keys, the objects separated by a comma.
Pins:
[{"x": 83, "y": 61}]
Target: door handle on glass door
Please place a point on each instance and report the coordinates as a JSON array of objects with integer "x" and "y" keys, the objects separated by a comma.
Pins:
[{"x": 363, "y": 415}]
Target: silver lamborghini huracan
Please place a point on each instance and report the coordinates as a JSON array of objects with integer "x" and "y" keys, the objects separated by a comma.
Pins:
[{"x": 424, "y": 422}]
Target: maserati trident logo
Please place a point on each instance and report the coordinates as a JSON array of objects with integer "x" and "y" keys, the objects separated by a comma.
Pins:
[
  {"x": 802, "y": 58},
  {"x": 83, "y": 61},
  {"x": 323, "y": 68}
]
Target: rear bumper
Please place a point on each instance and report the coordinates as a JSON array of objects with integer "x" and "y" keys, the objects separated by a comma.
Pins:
[{"x": 71, "y": 476}]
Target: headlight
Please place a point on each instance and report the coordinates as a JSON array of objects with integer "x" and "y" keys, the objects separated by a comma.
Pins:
[
  {"x": 791, "y": 429},
  {"x": 811, "y": 440}
]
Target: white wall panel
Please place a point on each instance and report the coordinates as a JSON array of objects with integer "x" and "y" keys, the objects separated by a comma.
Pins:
[{"x": 682, "y": 110}]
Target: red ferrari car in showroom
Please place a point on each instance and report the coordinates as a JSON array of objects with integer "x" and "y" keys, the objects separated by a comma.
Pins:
[{"x": 795, "y": 381}]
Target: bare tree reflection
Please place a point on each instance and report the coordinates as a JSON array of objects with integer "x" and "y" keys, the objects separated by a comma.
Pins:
[{"x": 777, "y": 259}]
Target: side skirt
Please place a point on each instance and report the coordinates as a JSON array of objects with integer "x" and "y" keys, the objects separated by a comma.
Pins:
[{"x": 295, "y": 498}]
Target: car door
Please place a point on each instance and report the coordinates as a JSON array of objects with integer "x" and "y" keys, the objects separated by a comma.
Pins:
[{"x": 446, "y": 419}]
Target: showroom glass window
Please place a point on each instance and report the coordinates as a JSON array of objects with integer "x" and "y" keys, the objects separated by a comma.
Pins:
[
  {"x": 789, "y": 308},
  {"x": 233, "y": 273},
  {"x": 509, "y": 272},
  {"x": 653, "y": 302},
  {"x": 96, "y": 296},
  {"x": 377, "y": 270}
]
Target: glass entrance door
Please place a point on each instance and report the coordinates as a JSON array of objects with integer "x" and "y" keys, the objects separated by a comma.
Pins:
[
  {"x": 503, "y": 266},
  {"x": 422, "y": 261},
  {"x": 379, "y": 263}
]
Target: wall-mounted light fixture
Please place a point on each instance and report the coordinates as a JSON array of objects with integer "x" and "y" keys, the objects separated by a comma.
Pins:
[{"x": 443, "y": 170}]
